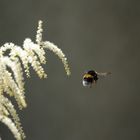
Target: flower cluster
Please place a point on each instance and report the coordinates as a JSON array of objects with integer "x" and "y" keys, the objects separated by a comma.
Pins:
[{"x": 14, "y": 60}]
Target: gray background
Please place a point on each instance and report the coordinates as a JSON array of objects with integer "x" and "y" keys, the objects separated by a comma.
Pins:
[{"x": 94, "y": 34}]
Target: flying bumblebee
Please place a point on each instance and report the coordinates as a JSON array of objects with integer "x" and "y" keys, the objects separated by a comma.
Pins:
[{"x": 91, "y": 77}]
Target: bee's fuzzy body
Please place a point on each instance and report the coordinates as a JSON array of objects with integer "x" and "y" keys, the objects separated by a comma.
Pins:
[{"x": 89, "y": 78}]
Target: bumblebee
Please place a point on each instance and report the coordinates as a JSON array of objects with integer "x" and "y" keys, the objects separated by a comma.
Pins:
[{"x": 91, "y": 77}]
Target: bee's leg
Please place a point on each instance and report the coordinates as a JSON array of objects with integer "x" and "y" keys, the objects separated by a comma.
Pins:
[{"x": 94, "y": 82}]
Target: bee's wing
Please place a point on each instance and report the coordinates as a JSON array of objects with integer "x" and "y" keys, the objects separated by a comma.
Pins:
[{"x": 103, "y": 73}]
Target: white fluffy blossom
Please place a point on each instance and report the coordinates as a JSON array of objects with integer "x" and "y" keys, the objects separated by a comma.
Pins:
[
  {"x": 50, "y": 46},
  {"x": 14, "y": 61}
]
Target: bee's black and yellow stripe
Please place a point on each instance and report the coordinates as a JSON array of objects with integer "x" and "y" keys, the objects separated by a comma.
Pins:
[{"x": 87, "y": 76}]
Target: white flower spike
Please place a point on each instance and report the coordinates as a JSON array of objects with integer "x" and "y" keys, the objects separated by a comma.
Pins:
[{"x": 14, "y": 61}]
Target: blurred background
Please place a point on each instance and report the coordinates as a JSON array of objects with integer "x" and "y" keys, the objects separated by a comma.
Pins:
[{"x": 94, "y": 34}]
